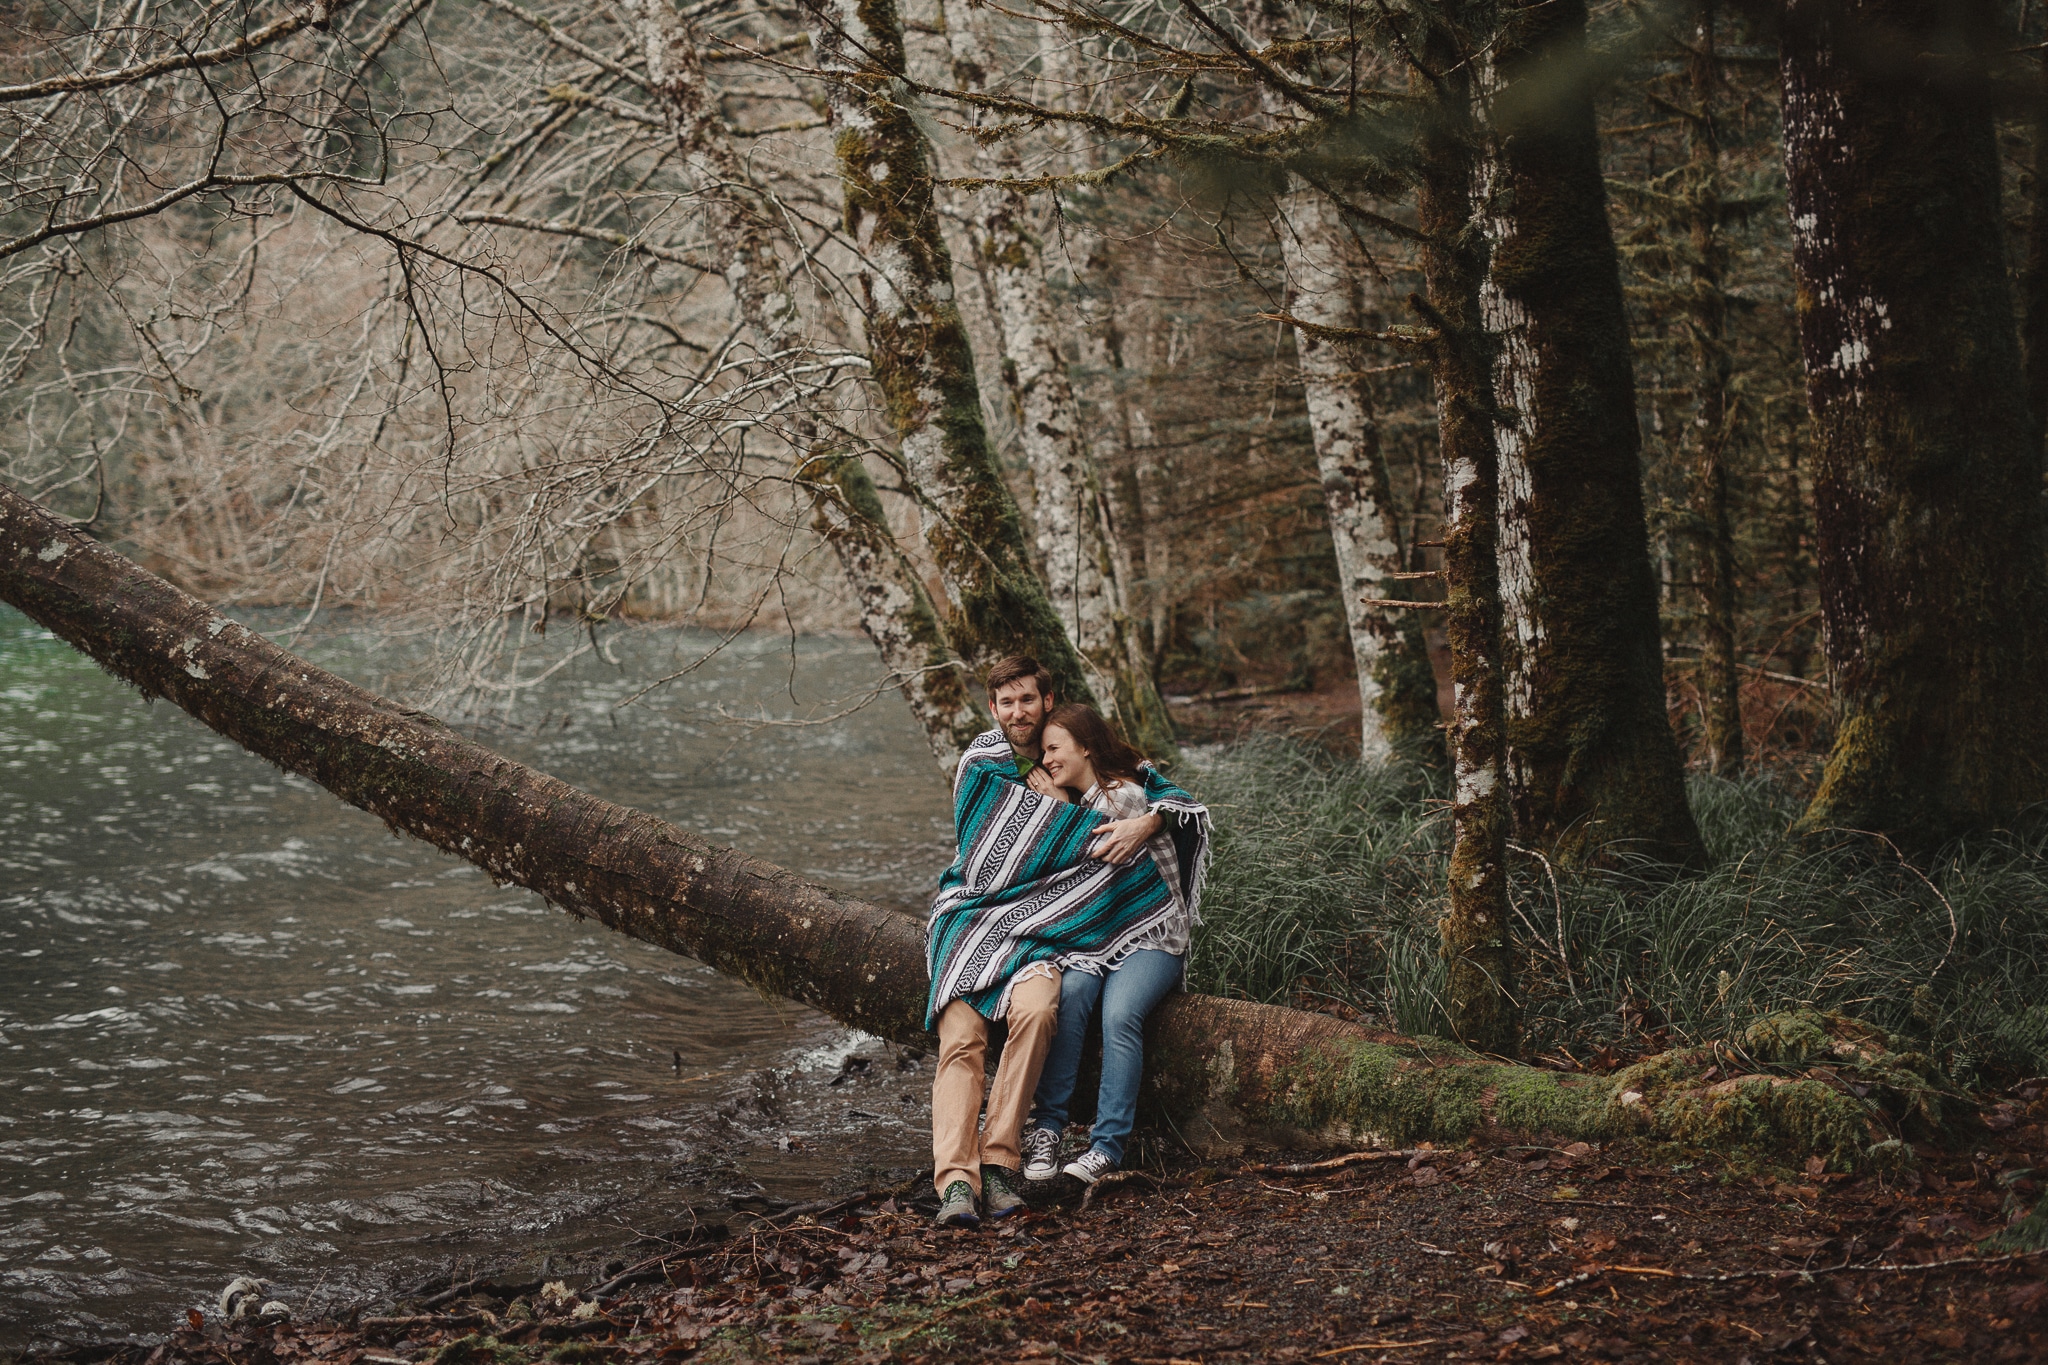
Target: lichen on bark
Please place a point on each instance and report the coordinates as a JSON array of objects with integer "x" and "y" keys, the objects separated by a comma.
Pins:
[
  {"x": 1322, "y": 278},
  {"x": 895, "y": 610},
  {"x": 1592, "y": 762},
  {"x": 919, "y": 356},
  {"x": 1928, "y": 464},
  {"x": 1481, "y": 1003},
  {"x": 1075, "y": 532}
]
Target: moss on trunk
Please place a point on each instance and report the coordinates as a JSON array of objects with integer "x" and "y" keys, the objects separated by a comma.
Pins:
[
  {"x": 1591, "y": 756},
  {"x": 1928, "y": 468},
  {"x": 1480, "y": 1000},
  {"x": 919, "y": 353}
]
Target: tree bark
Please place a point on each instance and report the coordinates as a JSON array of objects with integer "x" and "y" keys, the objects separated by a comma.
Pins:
[
  {"x": 1345, "y": 432},
  {"x": 675, "y": 80},
  {"x": 1223, "y": 1073},
  {"x": 895, "y": 611},
  {"x": 1321, "y": 278},
  {"x": 1076, "y": 536},
  {"x": 2034, "y": 321},
  {"x": 1927, "y": 472},
  {"x": 919, "y": 353},
  {"x": 1591, "y": 757},
  {"x": 1481, "y": 1002},
  {"x": 1713, "y": 368}
]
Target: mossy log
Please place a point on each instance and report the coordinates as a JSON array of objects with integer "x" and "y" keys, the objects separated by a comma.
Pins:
[{"x": 1226, "y": 1073}]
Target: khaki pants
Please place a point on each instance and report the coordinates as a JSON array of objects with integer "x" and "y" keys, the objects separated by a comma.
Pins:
[{"x": 958, "y": 1152}]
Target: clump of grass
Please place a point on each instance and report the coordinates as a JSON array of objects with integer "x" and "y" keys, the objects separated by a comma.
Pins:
[
  {"x": 1329, "y": 877},
  {"x": 1325, "y": 882}
]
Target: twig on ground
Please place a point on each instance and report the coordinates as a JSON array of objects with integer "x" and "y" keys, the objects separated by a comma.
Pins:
[
  {"x": 442, "y": 1320},
  {"x": 1610, "y": 1204},
  {"x": 1377, "y": 1346},
  {"x": 1334, "y": 1163},
  {"x": 1846, "y": 1268}
]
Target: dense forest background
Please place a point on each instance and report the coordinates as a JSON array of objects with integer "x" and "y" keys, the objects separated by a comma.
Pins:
[{"x": 237, "y": 387}]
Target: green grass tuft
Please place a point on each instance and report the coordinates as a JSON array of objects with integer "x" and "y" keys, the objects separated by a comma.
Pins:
[{"x": 1329, "y": 877}]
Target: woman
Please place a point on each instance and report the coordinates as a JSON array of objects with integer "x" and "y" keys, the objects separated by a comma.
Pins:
[{"x": 1086, "y": 759}]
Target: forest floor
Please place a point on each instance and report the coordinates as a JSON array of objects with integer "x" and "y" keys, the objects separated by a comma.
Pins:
[{"x": 1474, "y": 1253}]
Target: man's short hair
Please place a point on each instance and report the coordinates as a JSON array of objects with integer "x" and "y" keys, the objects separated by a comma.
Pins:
[{"x": 1016, "y": 669}]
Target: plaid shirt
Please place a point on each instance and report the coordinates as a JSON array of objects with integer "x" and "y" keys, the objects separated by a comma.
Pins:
[{"x": 1124, "y": 801}]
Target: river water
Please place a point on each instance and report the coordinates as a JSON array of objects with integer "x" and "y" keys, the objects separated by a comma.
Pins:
[{"x": 245, "y": 1030}]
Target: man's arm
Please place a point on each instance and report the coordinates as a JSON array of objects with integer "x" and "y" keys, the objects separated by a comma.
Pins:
[{"x": 1119, "y": 841}]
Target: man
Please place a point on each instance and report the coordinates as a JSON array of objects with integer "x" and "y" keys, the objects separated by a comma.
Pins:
[{"x": 979, "y": 1173}]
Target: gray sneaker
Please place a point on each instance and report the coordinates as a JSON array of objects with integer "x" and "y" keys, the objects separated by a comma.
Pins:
[
  {"x": 1000, "y": 1196},
  {"x": 1090, "y": 1166},
  {"x": 956, "y": 1207},
  {"x": 1041, "y": 1154}
]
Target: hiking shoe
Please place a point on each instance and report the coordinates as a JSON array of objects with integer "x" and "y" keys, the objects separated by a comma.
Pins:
[
  {"x": 956, "y": 1207},
  {"x": 1000, "y": 1196},
  {"x": 1041, "y": 1154},
  {"x": 1090, "y": 1166}
]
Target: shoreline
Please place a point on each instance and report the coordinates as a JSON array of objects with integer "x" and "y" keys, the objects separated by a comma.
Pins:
[{"x": 1627, "y": 1252}]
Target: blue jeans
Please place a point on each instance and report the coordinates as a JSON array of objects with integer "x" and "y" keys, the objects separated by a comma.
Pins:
[{"x": 1126, "y": 996}]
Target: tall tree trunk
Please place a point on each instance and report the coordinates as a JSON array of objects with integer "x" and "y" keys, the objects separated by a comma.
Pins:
[
  {"x": 1075, "y": 533},
  {"x": 1321, "y": 278},
  {"x": 1483, "y": 1010},
  {"x": 1927, "y": 473},
  {"x": 1345, "y": 432},
  {"x": 918, "y": 349},
  {"x": 1713, "y": 367},
  {"x": 1220, "y": 1073},
  {"x": 895, "y": 611},
  {"x": 675, "y": 78},
  {"x": 2034, "y": 337},
  {"x": 1591, "y": 755}
]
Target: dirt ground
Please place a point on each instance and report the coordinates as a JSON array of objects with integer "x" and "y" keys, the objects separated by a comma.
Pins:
[{"x": 1480, "y": 1253}]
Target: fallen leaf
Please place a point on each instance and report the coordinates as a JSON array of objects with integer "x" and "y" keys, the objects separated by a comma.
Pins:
[
  {"x": 194, "y": 1317},
  {"x": 2027, "y": 1297},
  {"x": 1816, "y": 1166},
  {"x": 1512, "y": 1335}
]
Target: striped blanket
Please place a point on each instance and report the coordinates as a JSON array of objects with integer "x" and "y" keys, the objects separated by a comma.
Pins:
[{"x": 1024, "y": 889}]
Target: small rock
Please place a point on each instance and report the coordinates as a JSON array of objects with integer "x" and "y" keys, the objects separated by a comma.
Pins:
[{"x": 243, "y": 1298}]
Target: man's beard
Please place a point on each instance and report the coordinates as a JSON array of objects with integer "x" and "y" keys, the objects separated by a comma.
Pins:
[{"x": 1033, "y": 733}]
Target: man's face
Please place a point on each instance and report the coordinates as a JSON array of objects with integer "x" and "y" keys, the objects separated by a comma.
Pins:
[{"x": 1020, "y": 711}]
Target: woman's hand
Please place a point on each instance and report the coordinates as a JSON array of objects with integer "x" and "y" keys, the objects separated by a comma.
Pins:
[{"x": 1038, "y": 780}]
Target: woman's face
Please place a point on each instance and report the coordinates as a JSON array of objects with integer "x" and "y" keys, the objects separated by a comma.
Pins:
[{"x": 1066, "y": 762}]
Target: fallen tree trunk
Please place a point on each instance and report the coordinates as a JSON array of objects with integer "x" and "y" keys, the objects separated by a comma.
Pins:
[{"x": 1225, "y": 1073}]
